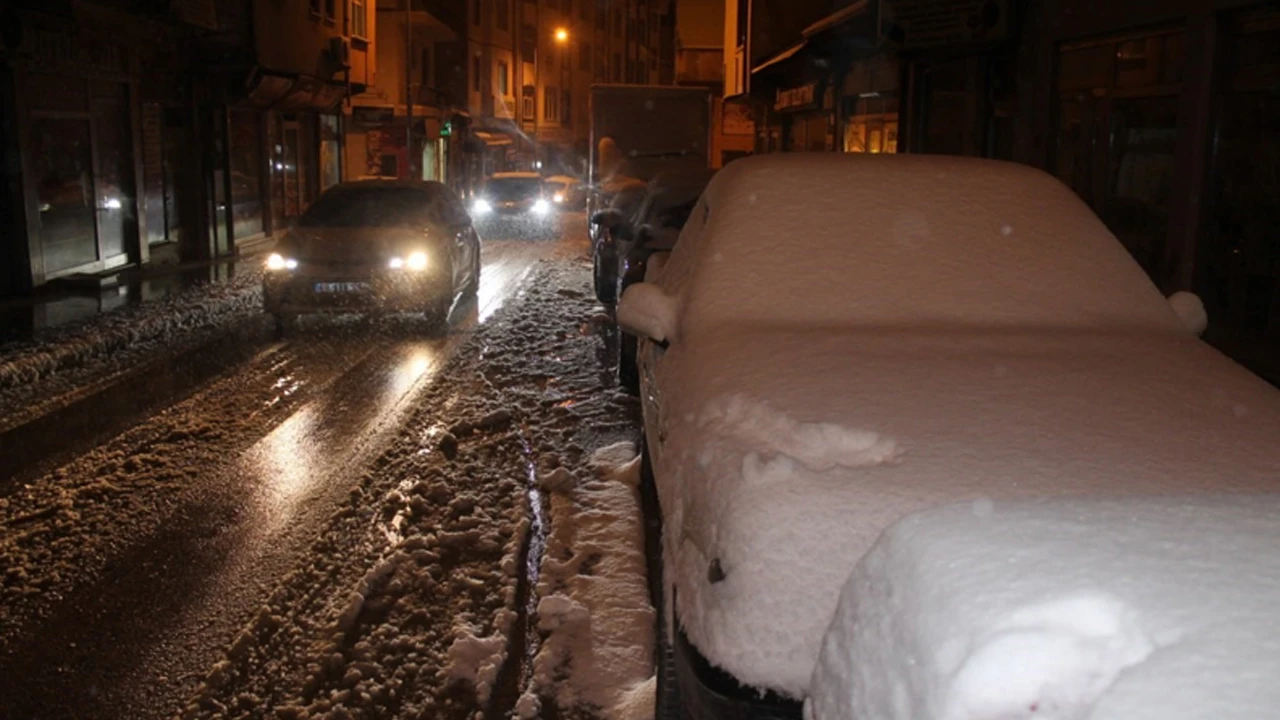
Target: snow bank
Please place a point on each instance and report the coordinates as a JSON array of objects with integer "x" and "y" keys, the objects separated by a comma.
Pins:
[
  {"x": 1160, "y": 608},
  {"x": 476, "y": 659},
  {"x": 67, "y": 346},
  {"x": 594, "y": 609}
]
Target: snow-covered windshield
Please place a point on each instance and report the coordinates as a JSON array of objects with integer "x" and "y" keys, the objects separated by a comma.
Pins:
[
  {"x": 513, "y": 188},
  {"x": 388, "y": 206}
]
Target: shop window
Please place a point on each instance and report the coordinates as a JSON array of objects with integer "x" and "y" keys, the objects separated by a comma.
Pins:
[
  {"x": 245, "y": 130},
  {"x": 330, "y": 151},
  {"x": 1239, "y": 268},
  {"x": 116, "y": 198},
  {"x": 62, "y": 159},
  {"x": 1117, "y": 149}
]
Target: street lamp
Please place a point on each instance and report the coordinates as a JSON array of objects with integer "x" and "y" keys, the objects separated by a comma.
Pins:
[{"x": 562, "y": 35}]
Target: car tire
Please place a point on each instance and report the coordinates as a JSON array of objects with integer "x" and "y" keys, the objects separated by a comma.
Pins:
[
  {"x": 628, "y": 371},
  {"x": 285, "y": 323},
  {"x": 604, "y": 276},
  {"x": 667, "y": 704},
  {"x": 437, "y": 313},
  {"x": 473, "y": 284}
]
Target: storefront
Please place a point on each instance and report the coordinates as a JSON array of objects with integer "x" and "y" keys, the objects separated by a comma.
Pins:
[
  {"x": 75, "y": 115},
  {"x": 869, "y": 105}
]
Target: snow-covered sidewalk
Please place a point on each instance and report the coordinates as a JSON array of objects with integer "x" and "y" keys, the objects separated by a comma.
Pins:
[{"x": 63, "y": 358}]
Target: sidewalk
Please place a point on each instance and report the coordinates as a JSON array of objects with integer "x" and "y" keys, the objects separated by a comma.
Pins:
[{"x": 65, "y": 325}]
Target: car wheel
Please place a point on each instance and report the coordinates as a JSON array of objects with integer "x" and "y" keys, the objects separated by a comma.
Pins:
[
  {"x": 603, "y": 263},
  {"x": 285, "y": 323},
  {"x": 628, "y": 372},
  {"x": 667, "y": 705},
  {"x": 473, "y": 284}
]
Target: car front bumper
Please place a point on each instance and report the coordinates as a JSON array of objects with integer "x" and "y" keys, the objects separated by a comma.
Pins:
[{"x": 299, "y": 294}]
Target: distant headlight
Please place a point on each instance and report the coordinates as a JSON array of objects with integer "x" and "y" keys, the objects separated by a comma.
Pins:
[
  {"x": 558, "y": 197},
  {"x": 416, "y": 261},
  {"x": 396, "y": 263},
  {"x": 276, "y": 261},
  {"x": 481, "y": 206},
  {"x": 541, "y": 206}
]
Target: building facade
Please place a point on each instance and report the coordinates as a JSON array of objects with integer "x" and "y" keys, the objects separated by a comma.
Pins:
[
  {"x": 1161, "y": 116},
  {"x": 181, "y": 130}
]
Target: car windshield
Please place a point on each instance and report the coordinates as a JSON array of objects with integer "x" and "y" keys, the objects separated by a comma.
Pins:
[
  {"x": 513, "y": 188},
  {"x": 372, "y": 206}
]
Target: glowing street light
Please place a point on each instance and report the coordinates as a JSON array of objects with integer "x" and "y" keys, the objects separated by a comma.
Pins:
[{"x": 562, "y": 35}]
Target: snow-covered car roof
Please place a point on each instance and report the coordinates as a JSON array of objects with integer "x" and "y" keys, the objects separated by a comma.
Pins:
[
  {"x": 905, "y": 240},
  {"x": 1106, "y": 609}
]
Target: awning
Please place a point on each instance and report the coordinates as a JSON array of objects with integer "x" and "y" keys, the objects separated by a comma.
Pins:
[
  {"x": 493, "y": 139},
  {"x": 784, "y": 55},
  {"x": 837, "y": 17},
  {"x": 294, "y": 92}
]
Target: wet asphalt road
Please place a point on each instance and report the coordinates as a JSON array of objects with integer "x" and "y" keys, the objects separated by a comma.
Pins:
[{"x": 293, "y": 428}]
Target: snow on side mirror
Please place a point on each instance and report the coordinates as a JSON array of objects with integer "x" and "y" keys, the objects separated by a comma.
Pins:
[
  {"x": 646, "y": 311},
  {"x": 1190, "y": 309}
]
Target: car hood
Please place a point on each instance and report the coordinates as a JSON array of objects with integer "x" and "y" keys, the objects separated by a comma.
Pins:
[
  {"x": 789, "y": 451},
  {"x": 357, "y": 244}
]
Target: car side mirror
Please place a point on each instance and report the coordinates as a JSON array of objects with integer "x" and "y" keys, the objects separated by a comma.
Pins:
[
  {"x": 1190, "y": 310},
  {"x": 646, "y": 311},
  {"x": 610, "y": 218},
  {"x": 644, "y": 235}
]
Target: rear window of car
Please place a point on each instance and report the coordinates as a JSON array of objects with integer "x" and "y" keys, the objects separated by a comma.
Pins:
[{"x": 383, "y": 207}]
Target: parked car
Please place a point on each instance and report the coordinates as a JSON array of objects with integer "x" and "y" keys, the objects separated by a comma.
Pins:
[
  {"x": 625, "y": 242},
  {"x": 375, "y": 246},
  {"x": 838, "y": 341},
  {"x": 567, "y": 192},
  {"x": 513, "y": 194}
]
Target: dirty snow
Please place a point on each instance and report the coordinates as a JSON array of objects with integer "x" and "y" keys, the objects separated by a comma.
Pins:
[
  {"x": 35, "y": 373},
  {"x": 595, "y": 611},
  {"x": 1144, "y": 608}
]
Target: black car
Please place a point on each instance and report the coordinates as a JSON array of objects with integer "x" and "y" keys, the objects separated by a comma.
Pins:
[
  {"x": 635, "y": 226},
  {"x": 375, "y": 246}
]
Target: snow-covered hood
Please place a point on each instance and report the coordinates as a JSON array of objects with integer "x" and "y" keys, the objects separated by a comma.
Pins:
[{"x": 788, "y": 452}]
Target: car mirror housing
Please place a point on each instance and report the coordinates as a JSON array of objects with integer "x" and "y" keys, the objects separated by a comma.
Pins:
[
  {"x": 646, "y": 311},
  {"x": 610, "y": 218},
  {"x": 1190, "y": 310}
]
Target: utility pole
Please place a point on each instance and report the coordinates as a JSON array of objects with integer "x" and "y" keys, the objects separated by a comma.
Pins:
[{"x": 408, "y": 88}]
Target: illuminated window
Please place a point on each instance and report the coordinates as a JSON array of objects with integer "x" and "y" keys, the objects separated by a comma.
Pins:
[{"x": 359, "y": 19}]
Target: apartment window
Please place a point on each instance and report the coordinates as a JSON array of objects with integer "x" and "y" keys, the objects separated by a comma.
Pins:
[
  {"x": 475, "y": 73},
  {"x": 503, "y": 16},
  {"x": 566, "y": 107},
  {"x": 530, "y": 104},
  {"x": 584, "y": 56},
  {"x": 550, "y": 103},
  {"x": 359, "y": 19},
  {"x": 475, "y": 11},
  {"x": 426, "y": 69},
  {"x": 315, "y": 7},
  {"x": 331, "y": 9},
  {"x": 502, "y": 79}
]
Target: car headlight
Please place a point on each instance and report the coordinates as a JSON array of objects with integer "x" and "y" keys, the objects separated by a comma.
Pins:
[
  {"x": 541, "y": 206},
  {"x": 396, "y": 263},
  {"x": 416, "y": 261},
  {"x": 481, "y": 206},
  {"x": 276, "y": 261},
  {"x": 558, "y": 197}
]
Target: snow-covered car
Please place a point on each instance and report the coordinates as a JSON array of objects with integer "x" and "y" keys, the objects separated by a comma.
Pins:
[
  {"x": 626, "y": 241},
  {"x": 838, "y": 341},
  {"x": 567, "y": 192},
  {"x": 375, "y": 246},
  {"x": 1101, "y": 608}
]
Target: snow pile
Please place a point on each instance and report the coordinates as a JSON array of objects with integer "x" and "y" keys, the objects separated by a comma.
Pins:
[
  {"x": 66, "y": 346},
  {"x": 476, "y": 660},
  {"x": 818, "y": 446},
  {"x": 594, "y": 609},
  {"x": 1159, "y": 608}
]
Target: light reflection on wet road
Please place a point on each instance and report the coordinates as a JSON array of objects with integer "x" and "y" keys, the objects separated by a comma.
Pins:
[{"x": 134, "y": 644}]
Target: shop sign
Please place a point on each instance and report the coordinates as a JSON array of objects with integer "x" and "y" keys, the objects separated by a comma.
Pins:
[
  {"x": 362, "y": 115},
  {"x": 794, "y": 98},
  {"x": 914, "y": 24}
]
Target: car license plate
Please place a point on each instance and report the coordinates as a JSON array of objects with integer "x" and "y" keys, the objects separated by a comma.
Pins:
[{"x": 341, "y": 287}]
